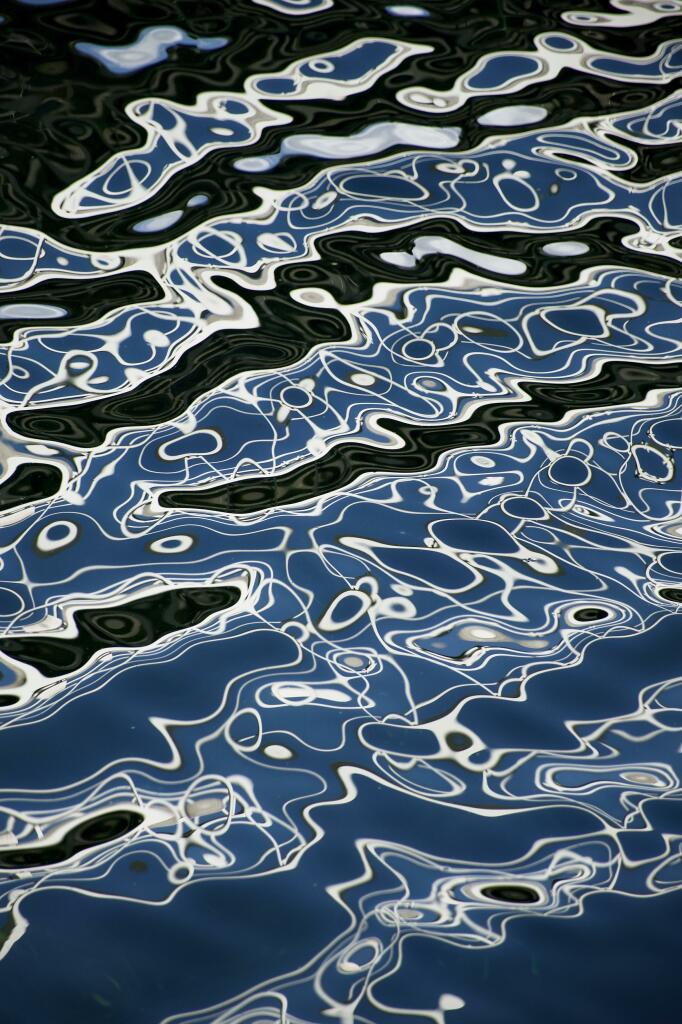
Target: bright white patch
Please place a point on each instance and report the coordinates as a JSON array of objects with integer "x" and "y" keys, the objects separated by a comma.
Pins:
[
  {"x": 277, "y": 752},
  {"x": 512, "y": 117},
  {"x": 565, "y": 248},
  {"x": 29, "y": 310},
  {"x": 407, "y": 11}
]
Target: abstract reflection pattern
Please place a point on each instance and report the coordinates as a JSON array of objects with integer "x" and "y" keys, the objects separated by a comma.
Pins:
[{"x": 341, "y": 514}]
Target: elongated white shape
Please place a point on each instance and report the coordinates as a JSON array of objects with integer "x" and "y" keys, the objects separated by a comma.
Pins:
[{"x": 512, "y": 117}]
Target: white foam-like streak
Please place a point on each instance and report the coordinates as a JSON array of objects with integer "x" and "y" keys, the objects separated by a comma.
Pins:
[
  {"x": 427, "y": 245},
  {"x": 366, "y": 142}
]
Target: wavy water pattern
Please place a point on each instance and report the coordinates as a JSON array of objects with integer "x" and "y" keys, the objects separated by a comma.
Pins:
[
  {"x": 179, "y": 136},
  {"x": 341, "y": 517}
]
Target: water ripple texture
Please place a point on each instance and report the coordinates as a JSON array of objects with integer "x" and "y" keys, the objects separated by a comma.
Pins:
[{"x": 340, "y": 511}]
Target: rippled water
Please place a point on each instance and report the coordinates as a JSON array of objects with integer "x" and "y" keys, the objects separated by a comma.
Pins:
[{"x": 341, "y": 517}]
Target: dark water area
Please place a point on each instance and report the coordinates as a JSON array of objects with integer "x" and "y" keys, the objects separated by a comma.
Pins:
[{"x": 340, "y": 511}]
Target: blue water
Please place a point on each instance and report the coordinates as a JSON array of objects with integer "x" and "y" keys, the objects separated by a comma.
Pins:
[{"x": 341, "y": 681}]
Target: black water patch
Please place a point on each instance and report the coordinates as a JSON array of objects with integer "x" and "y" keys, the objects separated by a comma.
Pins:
[
  {"x": 510, "y": 893},
  {"x": 134, "y": 624},
  {"x": 288, "y": 331},
  {"x": 590, "y": 614},
  {"x": 30, "y": 482},
  {"x": 616, "y": 383},
  {"x": 458, "y": 741},
  {"x": 83, "y": 300},
  {"x": 104, "y": 828},
  {"x": 8, "y": 924},
  {"x": 653, "y": 162},
  {"x": 351, "y": 264}
]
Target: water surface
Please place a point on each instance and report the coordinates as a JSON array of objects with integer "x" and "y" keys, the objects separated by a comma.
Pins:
[{"x": 341, "y": 518}]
